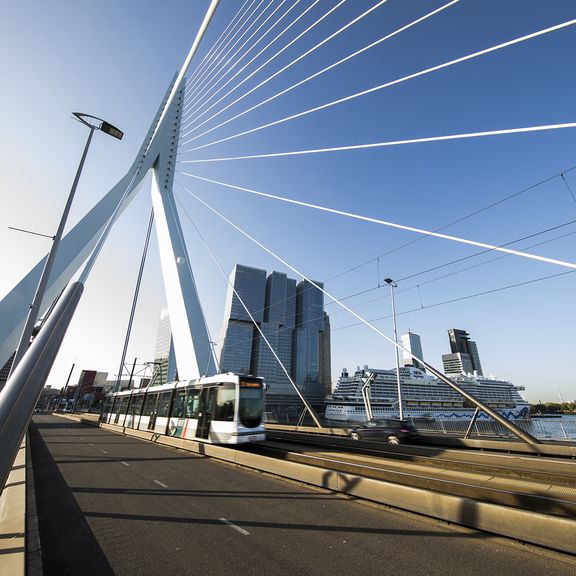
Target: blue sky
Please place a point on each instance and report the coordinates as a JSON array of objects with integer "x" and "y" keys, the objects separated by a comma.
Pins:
[{"x": 115, "y": 61}]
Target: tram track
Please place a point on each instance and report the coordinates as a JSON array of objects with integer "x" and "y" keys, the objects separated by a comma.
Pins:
[
  {"x": 530, "y": 468},
  {"x": 529, "y": 489}
]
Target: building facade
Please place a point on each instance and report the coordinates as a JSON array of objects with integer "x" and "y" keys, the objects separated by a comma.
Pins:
[
  {"x": 412, "y": 343},
  {"x": 164, "y": 357},
  {"x": 291, "y": 317},
  {"x": 464, "y": 355}
]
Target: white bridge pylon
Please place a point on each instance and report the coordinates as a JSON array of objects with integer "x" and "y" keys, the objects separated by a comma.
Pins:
[{"x": 157, "y": 154}]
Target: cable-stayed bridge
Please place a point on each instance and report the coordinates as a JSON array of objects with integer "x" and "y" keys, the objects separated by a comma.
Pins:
[{"x": 297, "y": 70}]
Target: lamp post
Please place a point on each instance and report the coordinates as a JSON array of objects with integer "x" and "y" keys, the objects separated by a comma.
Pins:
[
  {"x": 94, "y": 124},
  {"x": 393, "y": 285}
]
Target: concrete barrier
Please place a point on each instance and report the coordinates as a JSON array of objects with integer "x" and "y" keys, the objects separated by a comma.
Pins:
[{"x": 13, "y": 518}]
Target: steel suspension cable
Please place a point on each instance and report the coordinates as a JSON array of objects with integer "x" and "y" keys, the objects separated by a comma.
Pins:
[
  {"x": 313, "y": 25},
  {"x": 385, "y": 144},
  {"x": 388, "y": 85},
  {"x": 387, "y": 223},
  {"x": 478, "y": 403},
  {"x": 209, "y": 55},
  {"x": 234, "y": 60},
  {"x": 284, "y": 30},
  {"x": 319, "y": 73},
  {"x": 225, "y": 51},
  {"x": 230, "y": 61}
]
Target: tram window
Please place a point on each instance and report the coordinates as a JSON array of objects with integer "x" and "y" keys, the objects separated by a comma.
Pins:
[
  {"x": 164, "y": 403},
  {"x": 123, "y": 405},
  {"x": 250, "y": 406},
  {"x": 136, "y": 404},
  {"x": 149, "y": 404},
  {"x": 192, "y": 403},
  {"x": 225, "y": 403},
  {"x": 179, "y": 404}
]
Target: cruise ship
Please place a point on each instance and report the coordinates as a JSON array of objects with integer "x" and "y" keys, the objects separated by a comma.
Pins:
[{"x": 423, "y": 396}]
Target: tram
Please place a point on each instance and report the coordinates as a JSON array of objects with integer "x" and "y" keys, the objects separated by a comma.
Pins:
[{"x": 222, "y": 409}]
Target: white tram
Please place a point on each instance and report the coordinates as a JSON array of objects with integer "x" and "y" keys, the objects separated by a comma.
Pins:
[{"x": 221, "y": 409}]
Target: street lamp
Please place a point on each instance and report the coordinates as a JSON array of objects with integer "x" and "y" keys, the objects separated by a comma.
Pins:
[
  {"x": 94, "y": 124},
  {"x": 393, "y": 285}
]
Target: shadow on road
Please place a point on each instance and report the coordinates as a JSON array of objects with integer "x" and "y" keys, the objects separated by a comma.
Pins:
[{"x": 68, "y": 544}]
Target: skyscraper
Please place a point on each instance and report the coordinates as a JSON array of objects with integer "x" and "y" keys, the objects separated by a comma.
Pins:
[
  {"x": 464, "y": 356},
  {"x": 292, "y": 319},
  {"x": 164, "y": 356},
  {"x": 309, "y": 327},
  {"x": 412, "y": 343},
  {"x": 325, "y": 357}
]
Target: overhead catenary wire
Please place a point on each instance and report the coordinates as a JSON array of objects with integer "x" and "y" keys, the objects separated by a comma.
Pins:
[
  {"x": 384, "y": 86},
  {"x": 390, "y": 224},
  {"x": 317, "y": 74},
  {"x": 448, "y": 275},
  {"x": 461, "y": 298},
  {"x": 458, "y": 220}
]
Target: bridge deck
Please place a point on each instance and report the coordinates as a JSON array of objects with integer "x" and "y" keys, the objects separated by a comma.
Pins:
[{"x": 112, "y": 504}]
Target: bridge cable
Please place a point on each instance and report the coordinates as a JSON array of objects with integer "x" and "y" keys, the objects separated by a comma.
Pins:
[
  {"x": 382, "y": 86},
  {"x": 448, "y": 225},
  {"x": 208, "y": 73},
  {"x": 389, "y": 224},
  {"x": 209, "y": 55},
  {"x": 210, "y": 81},
  {"x": 320, "y": 72},
  {"x": 207, "y": 90},
  {"x": 187, "y": 113},
  {"x": 313, "y": 25},
  {"x": 216, "y": 57}
]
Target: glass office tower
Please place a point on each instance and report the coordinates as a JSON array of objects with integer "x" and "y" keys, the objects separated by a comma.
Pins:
[{"x": 292, "y": 319}]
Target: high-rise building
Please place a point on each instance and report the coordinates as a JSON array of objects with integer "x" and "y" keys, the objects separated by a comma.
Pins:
[
  {"x": 309, "y": 327},
  {"x": 291, "y": 318},
  {"x": 164, "y": 356},
  {"x": 464, "y": 356},
  {"x": 325, "y": 357},
  {"x": 411, "y": 342}
]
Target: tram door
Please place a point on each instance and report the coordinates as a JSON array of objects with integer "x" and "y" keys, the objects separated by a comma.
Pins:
[{"x": 206, "y": 411}]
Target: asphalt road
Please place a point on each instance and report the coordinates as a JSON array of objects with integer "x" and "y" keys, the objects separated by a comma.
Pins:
[{"x": 110, "y": 504}]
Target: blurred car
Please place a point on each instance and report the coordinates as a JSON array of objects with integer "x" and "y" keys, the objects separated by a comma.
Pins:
[{"x": 389, "y": 430}]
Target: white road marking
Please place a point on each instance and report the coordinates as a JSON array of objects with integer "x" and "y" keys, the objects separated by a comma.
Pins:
[
  {"x": 125, "y": 463},
  {"x": 160, "y": 484},
  {"x": 237, "y": 528}
]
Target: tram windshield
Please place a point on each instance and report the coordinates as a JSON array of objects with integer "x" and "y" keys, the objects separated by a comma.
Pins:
[{"x": 251, "y": 403}]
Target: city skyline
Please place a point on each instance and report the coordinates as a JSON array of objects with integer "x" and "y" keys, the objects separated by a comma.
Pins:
[{"x": 425, "y": 185}]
